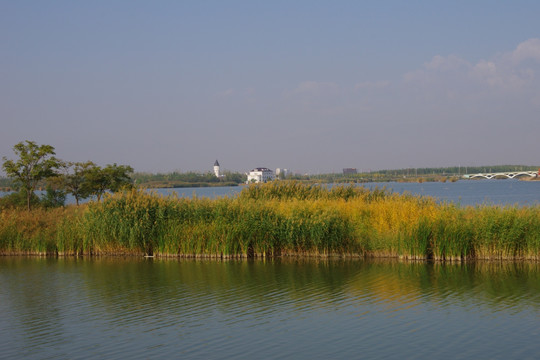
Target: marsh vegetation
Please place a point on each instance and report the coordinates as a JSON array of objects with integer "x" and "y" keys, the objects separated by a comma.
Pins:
[{"x": 276, "y": 219}]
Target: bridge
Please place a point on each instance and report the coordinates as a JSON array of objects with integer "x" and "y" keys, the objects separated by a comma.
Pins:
[{"x": 507, "y": 175}]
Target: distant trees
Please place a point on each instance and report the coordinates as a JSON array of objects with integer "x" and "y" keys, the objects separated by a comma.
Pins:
[
  {"x": 36, "y": 164},
  {"x": 234, "y": 177},
  {"x": 189, "y": 178}
]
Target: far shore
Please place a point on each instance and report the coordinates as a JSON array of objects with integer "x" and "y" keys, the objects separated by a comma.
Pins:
[{"x": 173, "y": 185}]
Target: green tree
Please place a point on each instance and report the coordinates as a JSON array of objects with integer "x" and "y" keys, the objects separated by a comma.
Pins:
[
  {"x": 96, "y": 181},
  {"x": 18, "y": 200},
  {"x": 53, "y": 197},
  {"x": 118, "y": 177},
  {"x": 111, "y": 177},
  {"x": 75, "y": 179},
  {"x": 35, "y": 163}
]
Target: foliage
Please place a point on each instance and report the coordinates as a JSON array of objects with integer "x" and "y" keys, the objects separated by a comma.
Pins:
[
  {"x": 53, "y": 198},
  {"x": 415, "y": 174},
  {"x": 98, "y": 180},
  {"x": 75, "y": 179},
  {"x": 6, "y": 183},
  {"x": 35, "y": 163},
  {"x": 18, "y": 199},
  {"x": 178, "y": 179},
  {"x": 118, "y": 176},
  {"x": 280, "y": 219}
]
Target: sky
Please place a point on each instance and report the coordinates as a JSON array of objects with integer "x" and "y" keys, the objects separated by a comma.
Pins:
[{"x": 311, "y": 86}]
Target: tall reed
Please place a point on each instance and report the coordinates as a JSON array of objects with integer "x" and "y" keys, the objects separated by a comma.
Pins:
[{"x": 280, "y": 218}]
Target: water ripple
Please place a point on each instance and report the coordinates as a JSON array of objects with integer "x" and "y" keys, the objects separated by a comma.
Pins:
[{"x": 317, "y": 309}]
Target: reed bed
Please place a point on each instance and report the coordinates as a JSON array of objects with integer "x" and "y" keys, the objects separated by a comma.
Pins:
[
  {"x": 277, "y": 219},
  {"x": 31, "y": 232}
]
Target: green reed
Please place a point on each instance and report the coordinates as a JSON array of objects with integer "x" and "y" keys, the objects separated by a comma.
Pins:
[{"x": 280, "y": 218}]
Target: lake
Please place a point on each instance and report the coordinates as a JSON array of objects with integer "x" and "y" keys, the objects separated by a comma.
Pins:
[
  {"x": 463, "y": 192},
  {"x": 286, "y": 308},
  {"x": 140, "y": 308}
]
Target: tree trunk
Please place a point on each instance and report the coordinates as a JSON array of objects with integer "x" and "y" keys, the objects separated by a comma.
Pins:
[{"x": 28, "y": 198}]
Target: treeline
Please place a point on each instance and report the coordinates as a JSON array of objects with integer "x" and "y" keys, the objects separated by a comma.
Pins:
[
  {"x": 458, "y": 170},
  {"x": 417, "y": 174},
  {"x": 178, "y": 179},
  {"x": 37, "y": 166}
]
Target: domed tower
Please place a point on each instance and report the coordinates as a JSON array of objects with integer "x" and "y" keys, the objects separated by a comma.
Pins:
[{"x": 216, "y": 168}]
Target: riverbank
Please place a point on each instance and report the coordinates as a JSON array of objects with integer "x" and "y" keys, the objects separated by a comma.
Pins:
[
  {"x": 277, "y": 219},
  {"x": 183, "y": 184}
]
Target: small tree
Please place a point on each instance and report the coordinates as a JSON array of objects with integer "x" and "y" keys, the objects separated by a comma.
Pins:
[
  {"x": 35, "y": 163},
  {"x": 112, "y": 177},
  {"x": 96, "y": 182},
  {"x": 75, "y": 179},
  {"x": 53, "y": 197},
  {"x": 118, "y": 176}
]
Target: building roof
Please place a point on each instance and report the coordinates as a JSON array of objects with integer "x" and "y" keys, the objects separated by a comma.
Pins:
[
  {"x": 261, "y": 169},
  {"x": 216, "y": 163}
]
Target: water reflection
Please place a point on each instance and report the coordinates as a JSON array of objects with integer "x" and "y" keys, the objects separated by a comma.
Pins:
[{"x": 115, "y": 307}]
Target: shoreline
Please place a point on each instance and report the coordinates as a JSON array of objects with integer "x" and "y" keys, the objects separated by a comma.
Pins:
[{"x": 257, "y": 257}]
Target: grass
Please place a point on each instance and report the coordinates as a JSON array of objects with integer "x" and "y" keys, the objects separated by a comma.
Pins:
[{"x": 277, "y": 219}]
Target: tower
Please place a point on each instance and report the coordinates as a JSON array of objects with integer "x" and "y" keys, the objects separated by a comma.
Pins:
[{"x": 216, "y": 168}]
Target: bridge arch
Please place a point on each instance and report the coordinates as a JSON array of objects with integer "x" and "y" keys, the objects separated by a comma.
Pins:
[{"x": 507, "y": 175}]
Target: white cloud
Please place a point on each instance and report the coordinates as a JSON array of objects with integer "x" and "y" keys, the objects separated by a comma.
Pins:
[
  {"x": 512, "y": 71},
  {"x": 509, "y": 72},
  {"x": 443, "y": 85},
  {"x": 439, "y": 66},
  {"x": 446, "y": 64},
  {"x": 529, "y": 49},
  {"x": 486, "y": 71}
]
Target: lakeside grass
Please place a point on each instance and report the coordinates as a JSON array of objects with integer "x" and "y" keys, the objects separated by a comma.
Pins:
[{"x": 277, "y": 219}]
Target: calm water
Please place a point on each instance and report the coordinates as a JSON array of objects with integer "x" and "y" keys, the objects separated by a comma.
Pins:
[
  {"x": 464, "y": 192},
  {"x": 135, "y": 308}
]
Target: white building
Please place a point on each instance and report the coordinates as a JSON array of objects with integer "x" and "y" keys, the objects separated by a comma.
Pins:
[
  {"x": 260, "y": 175},
  {"x": 282, "y": 173},
  {"x": 216, "y": 168}
]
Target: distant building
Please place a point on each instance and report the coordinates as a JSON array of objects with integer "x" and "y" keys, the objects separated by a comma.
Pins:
[
  {"x": 348, "y": 171},
  {"x": 281, "y": 173},
  {"x": 216, "y": 168},
  {"x": 260, "y": 174}
]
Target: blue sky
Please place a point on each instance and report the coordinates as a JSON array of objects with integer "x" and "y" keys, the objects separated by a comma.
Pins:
[{"x": 312, "y": 86}]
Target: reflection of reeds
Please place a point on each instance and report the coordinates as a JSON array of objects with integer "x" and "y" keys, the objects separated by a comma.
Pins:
[{"x": 280, "y": 218}]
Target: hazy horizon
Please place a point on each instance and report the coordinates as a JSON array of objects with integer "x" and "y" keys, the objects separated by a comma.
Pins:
[{"x": 310, "y": 86}]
